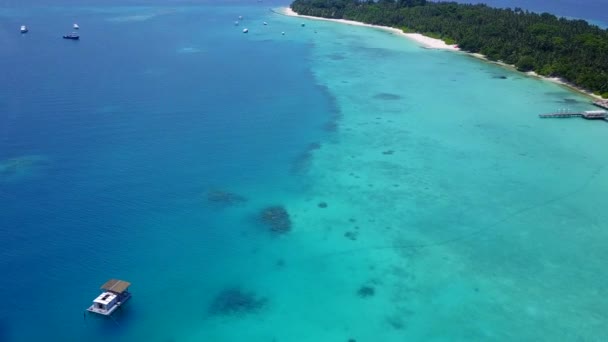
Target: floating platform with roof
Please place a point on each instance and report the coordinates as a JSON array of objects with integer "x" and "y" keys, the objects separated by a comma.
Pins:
[{"x": 114, "y": 294}]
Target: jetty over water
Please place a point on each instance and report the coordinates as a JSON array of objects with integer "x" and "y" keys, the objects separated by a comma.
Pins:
[
  {"x": 601, "y": 103},
  {"x": 115, "y": 293},
  {"x": 589, "y": 115}
]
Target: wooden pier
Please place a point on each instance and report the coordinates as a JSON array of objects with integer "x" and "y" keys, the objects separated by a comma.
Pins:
[
  {"x": 589, "y": 115},
  {"x": 601, "y": 103}
]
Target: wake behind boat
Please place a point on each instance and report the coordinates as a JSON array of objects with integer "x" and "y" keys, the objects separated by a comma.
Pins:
[{"x": 72, "y": 36}]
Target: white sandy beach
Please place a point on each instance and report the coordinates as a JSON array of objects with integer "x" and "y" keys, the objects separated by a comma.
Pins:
[
  {"x": 438, "y": 44},
  {"x": 427, "y": 42}
]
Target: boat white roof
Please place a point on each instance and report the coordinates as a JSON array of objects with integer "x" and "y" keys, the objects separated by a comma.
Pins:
[{"x": 104, "y": 298}]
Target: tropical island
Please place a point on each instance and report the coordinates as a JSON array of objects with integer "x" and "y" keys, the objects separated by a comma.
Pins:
[{"x": 572, "y": 50}]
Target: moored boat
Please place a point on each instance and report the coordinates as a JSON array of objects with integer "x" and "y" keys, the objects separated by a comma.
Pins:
[
  {"x": 24, "y": 29},
  {"x": 76, "y": 27},
  {"x": 115, "y": 293},
  {"x": 72, "y": 36}
]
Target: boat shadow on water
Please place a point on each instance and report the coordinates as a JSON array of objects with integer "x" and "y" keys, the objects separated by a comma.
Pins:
[{"x": 113, "y": 325}]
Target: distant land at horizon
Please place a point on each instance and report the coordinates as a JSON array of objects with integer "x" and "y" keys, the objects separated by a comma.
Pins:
[{"x": 594, "y": 11}]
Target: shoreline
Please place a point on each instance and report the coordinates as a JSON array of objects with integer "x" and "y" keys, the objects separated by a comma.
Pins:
[
  {"x": 438, "y": 44},
  {"x": 426, "y": 42},
  {"x": 556, "y": 80}
]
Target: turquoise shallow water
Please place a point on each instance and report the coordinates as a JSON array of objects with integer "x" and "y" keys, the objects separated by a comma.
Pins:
[{"x": 452, "y": 212}]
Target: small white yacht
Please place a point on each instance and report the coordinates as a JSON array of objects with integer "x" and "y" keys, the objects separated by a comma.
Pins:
[
  {"x": 236, "y": 23},
  {"x": 24, "y": 29},
  {"x": 245, "y": 30},
  {"x": 240, "y": 17},
  {"x": 76, "y": 27},
  {"x": 265, "y": 23}
]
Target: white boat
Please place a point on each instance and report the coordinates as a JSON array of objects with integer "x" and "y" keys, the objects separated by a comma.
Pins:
[
  {"x": 24, "y": 29},
  {"x": 115, "y": 293},
  {"x": 240, "y": 17},
  {"x": 236, "y": 23},
  {"x": 245, "y": 30},
  {"x": 283, "y": 33},
  {"x": 265, "y": 23},
  {"x": 76, "y": 27}
]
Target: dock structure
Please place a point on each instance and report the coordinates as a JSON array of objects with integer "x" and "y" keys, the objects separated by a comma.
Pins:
[
  {"x": 601, "y": 103},
  {"x": 589, "y": 115},
  {"x": 115, "y": 293}
]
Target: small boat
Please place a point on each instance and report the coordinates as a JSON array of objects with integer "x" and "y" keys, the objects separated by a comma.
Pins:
[
  {"x": 265, "y": 23},
  {"x": 72, "y": 36},
  {"x": 283, "y": 33},
  {"x": 76, "y": 27},
  {"x": 245, "y": 30},
  {"x": 24, "y": 29},
  {"x": 240, "y": 17},
  {"x": 115, "y": 293},
  {"x": 236, "y": 23}
]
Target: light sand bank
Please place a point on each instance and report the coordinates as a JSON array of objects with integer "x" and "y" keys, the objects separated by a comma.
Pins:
[
  {"x": 427, "y": 42},
  {"x": 433, "y": 43}
]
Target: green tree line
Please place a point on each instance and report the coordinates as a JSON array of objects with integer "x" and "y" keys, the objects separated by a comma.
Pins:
[{"x": 571, "y": 49}]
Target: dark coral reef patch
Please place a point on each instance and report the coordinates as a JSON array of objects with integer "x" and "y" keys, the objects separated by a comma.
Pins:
[
  {"x": 387, "y": 96},
  {"x": 235, "y": 301},
  {"x": 303, "y": 160},
  {"x": 366, "y": 291},
  {"x": 276, "y": 218},
  {"x": 225, "y": 198}
]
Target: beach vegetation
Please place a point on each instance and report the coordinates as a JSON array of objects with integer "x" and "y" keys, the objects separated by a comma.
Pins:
[
  {"x": 571, "y": 49},
  {"x": 525, "y": 63}
]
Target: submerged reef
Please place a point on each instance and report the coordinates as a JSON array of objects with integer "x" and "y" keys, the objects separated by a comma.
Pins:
[
  {"x": 276, "y": 218},
  {"x": 366, "y": 291},
  {"x": 225, "y": 198},
  {"x": 14, "y": 169},
  {"x": 303, "y": 160},
  {"x": 351, "y": 235},
  {"x": 387, "y": 96},
  {"x": 336, "y": 57},
  {"x": 234, "y": 301}
]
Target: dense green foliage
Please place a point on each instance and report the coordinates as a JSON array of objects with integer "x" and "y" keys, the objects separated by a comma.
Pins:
[{"x": 571, "y": 49}]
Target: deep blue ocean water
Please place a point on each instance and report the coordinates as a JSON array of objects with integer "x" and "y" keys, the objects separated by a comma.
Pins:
[
  {"x": 110, "y": 145},
  {"x": 133, "y": 124}
]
